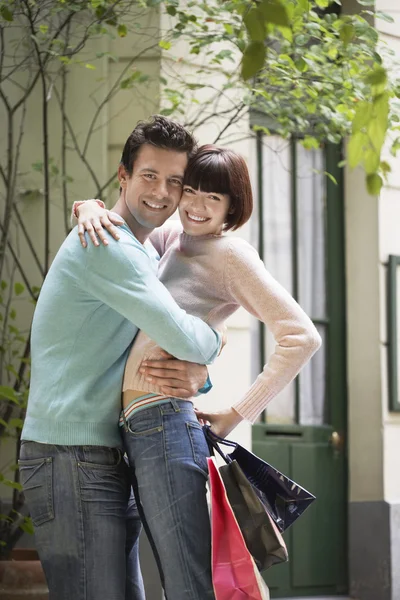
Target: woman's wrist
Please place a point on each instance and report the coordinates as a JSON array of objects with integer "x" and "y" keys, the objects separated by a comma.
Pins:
[{"x": 78, "y": 203}]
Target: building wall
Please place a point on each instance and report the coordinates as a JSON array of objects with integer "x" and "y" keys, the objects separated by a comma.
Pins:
[{"x": 372, "y": 233}]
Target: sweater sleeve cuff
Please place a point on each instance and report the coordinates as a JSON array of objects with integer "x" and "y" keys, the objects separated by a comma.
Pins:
[
  {"x": 254, "y": 402},
  {"x": 206, "y": 387}
]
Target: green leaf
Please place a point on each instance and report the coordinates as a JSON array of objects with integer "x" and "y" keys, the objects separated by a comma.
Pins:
[
  {"x": 378, "y": 125},
  {"x": 377, "y": 77},
  {"x": 6, "y": 518},
  {"x": 164, "y": 44},
  {"x": 275, "y": 12},
  {"x": 254, "y": 21},
  {"x": 129, "y": 81},
  {"x": 122, "y": 30},
  {"x": 18, "y": 288},
  {"x": 310, "y": 142},
  {"x": 333, "y": 52},
  {"x": 12, "y": 484},
  {"x": 374, "y": 184},
  {"x": 355, "y": 148},
  {"x": 6, "y": 14},
  {"x": 331, "y": 177},
  {"x": 371, "y": 160},
  {"x": 228, "y": 28},
  {"x": 16, "y": 423},
  {"x": 286, "y": 32},
  {"x": 44, "y": 28},
  {"x": 362, "y": 115},
  {"x": 384, "y": 16},
  {"x": 90, "y": 67},
  {"x": 171, "y": 10},
  {"x": 27, "y": 526},
  {"x": 301, "y": 64},
  {"x": 347, "y": 33},
  {"x": 9, "y": 394},
  {"x": 304, "y": 5},
  {"x": 385, "y": 167},
  {"x": 38, "y": 166},
  {"x": 253, "y": 59},
  {"x": 195, "y": 86},
  {"x": 167, "y": 111}
]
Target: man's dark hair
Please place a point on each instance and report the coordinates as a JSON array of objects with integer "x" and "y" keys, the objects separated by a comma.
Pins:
[{"x": 160, "y": 132}]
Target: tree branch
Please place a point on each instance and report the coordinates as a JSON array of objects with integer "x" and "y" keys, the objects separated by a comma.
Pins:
[
  {"x": 29, "y": 241},
  {"x": 20, "y": 269}
]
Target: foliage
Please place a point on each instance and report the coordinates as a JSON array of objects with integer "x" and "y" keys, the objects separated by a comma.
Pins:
[
  {"x": 14, "y": 350},
  {"x": 311, "y": 69}
]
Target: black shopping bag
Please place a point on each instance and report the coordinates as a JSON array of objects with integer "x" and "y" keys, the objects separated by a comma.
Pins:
[
  {"x": 284, "y": 499},
  {"x": 263, "y": 538}
]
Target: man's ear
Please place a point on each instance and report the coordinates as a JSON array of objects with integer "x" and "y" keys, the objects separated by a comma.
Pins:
[{"x": 122, "y": 176}]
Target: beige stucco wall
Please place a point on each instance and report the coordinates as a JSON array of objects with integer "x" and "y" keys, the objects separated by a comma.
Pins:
[
  {"x": 372, "y": 233},
  {"x": 365, "y": 443},
  {"x": 389, "y": 243}
]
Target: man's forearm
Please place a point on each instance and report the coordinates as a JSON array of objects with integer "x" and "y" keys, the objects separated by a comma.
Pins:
[{"x": 121, "y": 276}]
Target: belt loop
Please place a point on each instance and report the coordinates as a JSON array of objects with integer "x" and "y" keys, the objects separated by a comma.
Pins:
[
  {"x": 125, "y": 421},
  {"x": 175, "y": 405}
]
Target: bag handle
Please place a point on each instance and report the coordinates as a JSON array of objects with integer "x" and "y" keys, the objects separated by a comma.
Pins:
[{"x": 213, "y": 441}]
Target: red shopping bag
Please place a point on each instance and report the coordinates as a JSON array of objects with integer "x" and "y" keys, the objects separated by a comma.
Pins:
[{"x": 234, "y": 572}]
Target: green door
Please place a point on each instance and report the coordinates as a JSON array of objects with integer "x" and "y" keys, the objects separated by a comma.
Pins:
[{"x": 303, "y": 431}]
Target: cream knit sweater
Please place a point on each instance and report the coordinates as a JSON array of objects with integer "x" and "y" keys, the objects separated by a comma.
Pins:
[{"x": 210, "y": 277}]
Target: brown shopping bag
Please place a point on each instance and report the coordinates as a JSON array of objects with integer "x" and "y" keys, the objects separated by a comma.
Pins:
[{"x": 262, "y": 536}]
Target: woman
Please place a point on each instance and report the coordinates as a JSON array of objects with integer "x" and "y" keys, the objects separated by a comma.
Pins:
[{"x": 210, "y": 275}]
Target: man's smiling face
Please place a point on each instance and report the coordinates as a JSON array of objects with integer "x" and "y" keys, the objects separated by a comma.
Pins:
[{"x": 153, "y": 191}]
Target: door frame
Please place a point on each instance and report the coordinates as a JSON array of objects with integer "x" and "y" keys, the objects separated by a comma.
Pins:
[{"x": 335, "y": 346}]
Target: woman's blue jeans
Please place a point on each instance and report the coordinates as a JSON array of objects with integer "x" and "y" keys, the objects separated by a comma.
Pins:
[
  {"x": 167, "y": 454},
  {"x": 86, "y": 524}
]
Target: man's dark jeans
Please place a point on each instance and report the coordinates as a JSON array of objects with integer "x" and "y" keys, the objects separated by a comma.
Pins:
[{"x": 86, "y": 524}]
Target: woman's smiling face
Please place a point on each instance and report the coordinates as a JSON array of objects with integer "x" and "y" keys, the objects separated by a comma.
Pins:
[{"x": 203, "y": 213}]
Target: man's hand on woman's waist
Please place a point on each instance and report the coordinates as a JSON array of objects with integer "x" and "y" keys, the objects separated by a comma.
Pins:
[{"x": 176, "y": 378}]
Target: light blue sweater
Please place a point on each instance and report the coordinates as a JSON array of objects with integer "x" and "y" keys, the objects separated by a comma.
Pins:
[{"x": 90, "y": 308}]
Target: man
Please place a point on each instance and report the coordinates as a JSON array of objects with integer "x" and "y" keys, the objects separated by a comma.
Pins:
[{"x": 90, "y": 308}]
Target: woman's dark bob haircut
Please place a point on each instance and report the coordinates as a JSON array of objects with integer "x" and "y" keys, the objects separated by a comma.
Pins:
[{"x": 219, "y": 170}]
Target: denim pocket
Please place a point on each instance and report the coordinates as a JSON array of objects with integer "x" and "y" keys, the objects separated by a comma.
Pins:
[
  {"x": 146, "y": 422},
  {"x": 99, "y": 457},
  {"x": 36, "y": 476},
  {"x": 199, "y": 445}
]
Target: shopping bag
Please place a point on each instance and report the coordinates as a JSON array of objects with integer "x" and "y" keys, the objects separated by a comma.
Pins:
[
  {"x": 234, "y": 573},
  {"x": 284, "y": 499},
  {"x": 263, "y": 538}
]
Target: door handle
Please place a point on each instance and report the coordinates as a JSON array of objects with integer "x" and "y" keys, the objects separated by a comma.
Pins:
[{"x": 336, "y": 441}]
